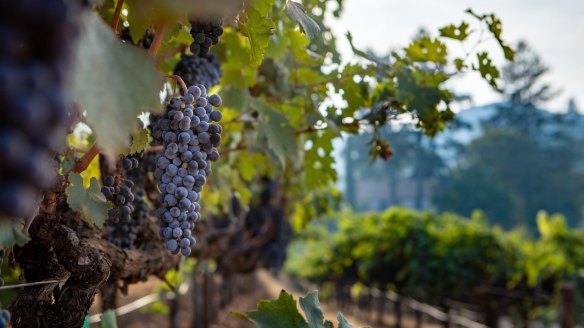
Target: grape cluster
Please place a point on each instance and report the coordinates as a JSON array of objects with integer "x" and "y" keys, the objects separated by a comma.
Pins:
[
  {"x": 199, "y": 69},
  {"x": 36, "y": 39},
  {"x": 190, "y": 139},
  {"x": 119, "y": 191},
  {"x": 122, "y": 228},
  {"x": 205, "y": 32}
]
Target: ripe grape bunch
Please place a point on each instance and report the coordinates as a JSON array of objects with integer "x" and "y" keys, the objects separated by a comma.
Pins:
[
  {"x": 205, "y": 32},
  {"x": 199, "y": 69},
  {"x": 33, "y": 104},
  {"x": 190, "y": 140},
  {"x": 119, "y": 191}
]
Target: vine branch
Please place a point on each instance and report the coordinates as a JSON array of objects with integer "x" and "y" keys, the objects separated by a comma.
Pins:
[
  {"x": 170, "y": 53},
  {"x": 83, "y": 163},
  {"x": 117, "y": 12},
  {"x": 158, "y": 38}
]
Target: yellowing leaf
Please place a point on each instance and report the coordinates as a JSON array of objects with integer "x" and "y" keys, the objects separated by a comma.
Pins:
[{"x": 89, "y": 201}]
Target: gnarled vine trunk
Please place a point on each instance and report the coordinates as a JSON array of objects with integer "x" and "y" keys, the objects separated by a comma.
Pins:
[{"x": 67, "y": 248}]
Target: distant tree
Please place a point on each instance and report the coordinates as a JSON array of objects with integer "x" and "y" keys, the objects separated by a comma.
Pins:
[
  {"x": 526, "y": 160},
  {"x": 523, "y": 90},
  {"x": 511, "y": 176},
  {"x": 415, "y": 158}
]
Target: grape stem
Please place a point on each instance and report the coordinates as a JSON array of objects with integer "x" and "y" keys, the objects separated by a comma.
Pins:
[
  {"x": 170, "y": 53},
  {"x": 83, "y": 163},
  {"x": 226, "y": 151},
  {"x": 179, "y": 80},
  {"x": 154, "y": 149},
  {"x": 117, "y": 12},
  {"x": 158, "y": 38}
]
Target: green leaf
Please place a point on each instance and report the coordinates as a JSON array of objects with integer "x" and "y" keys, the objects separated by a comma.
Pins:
[
  {"x": 459, "y": 63},
  {"x": 275, "y": 127},
  {"x": 495, "y": 26},
  {"x": 11, "y": 234},
  {"x": 455, "y": 32},
  {"x": 264, "y": 7},
  {"x": 108, "y": 319},
  {"x": 311, "y": 307},
  {"x": 426, "y": 49},
  {"x": 89, "y": 201},
  {"x": 297, "y": 12},
  {"x": 280, "y": 313},
  {"x": 488, "y": 71},
  {"x": 181, "y": 35},
  {"x": 343, "y": 322},
  {"x": 235, "y": 98},
  {"x": 140, "y": 141},
  {"x": 113, "y": 83},
  {"x": 238, "y": 73},
  {"x": 258, "y": 29}
]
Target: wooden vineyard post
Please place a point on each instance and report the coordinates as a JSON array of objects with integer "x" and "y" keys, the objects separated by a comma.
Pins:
[
  {"x": 174, "y": 311},
  {"x": 446, "y": 323},
  {"x": 380, "y": 308},
  {"x": 109, "y": 296},
  {"x": 211, "y": 296},
  {"x": 206, "y": 298},
  {"x": 568, "y": 309},
  {"x": 197, "y": 298},
  {"x": 418, "y": 315},
  {"x": 398, "y": 312}
]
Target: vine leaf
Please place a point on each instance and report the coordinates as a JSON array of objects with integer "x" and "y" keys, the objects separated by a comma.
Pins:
[
  {"x": 258, "y": 29},
  {"x": 343, "y": 322},
  {"x": 297, "y": 12},
  {"x": 10, "y": 233},
  {"x": 113, "y": 83},
  {"x": 311, "y": 307},
  {"x": 488, "y": 71},
  {"x": 281, "y": 313},
  {"x": 459, "y": 33},
  {"x": 427, "y": 49},
  {"x": 140, "y": 140},
  {"x": 90, "y": 201},
  {"x": 275, "y": 127}
]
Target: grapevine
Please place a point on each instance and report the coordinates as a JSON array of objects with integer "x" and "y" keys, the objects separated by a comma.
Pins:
[{"x": 89, "y": 228}]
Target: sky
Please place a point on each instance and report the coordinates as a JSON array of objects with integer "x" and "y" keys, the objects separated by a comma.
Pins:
[{"x": 553, "y": 28}]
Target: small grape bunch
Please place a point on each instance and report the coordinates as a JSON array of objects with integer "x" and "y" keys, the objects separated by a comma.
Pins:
[
  {"x": 119, "y": 191},
  {"x": 205, "y": 32},
  {"x": 190, "y": 138},
  {"x": 199, "y": 69}
]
